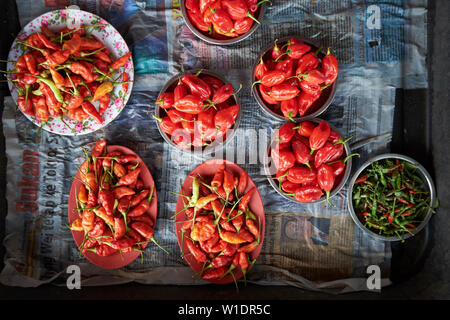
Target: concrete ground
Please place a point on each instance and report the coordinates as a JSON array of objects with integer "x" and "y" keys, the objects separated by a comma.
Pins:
[{"x": 427, "y": 279}]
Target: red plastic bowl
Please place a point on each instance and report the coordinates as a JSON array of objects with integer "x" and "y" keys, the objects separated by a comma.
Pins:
[
  {"x": 116, "y": 260},
  {"x": 207, "y": 170}
]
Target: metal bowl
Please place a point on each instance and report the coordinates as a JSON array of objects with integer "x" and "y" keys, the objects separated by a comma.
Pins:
[
  {"x": 424, "y": 175},
  {"x": 215, "y": 145},
  {"x": 223, "y": 40},
  {"x": 317, "y": 108},
  {"x": 340, "y": 183}
]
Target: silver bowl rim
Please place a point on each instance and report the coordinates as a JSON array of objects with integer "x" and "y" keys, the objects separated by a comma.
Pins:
[
  {"x": 428, "y": 181},
  {"x": 263, "y": 105},
  {"x": 335, "y": 190},
  {"x": 210, "y": 149},
  {"x": 209, "y": 40}
]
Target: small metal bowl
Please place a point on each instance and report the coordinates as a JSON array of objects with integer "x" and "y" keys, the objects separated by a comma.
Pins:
[
  {"x": 424, "y": 175},
  {"x": 317, "y": 108},
  {"x": 222, "y": 40},
  {"x": 339, "y": 184},
  {"x": 215, "y": 145}
]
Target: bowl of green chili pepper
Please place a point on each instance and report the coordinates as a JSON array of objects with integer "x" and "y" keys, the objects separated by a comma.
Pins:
[{"x": 391, "y": 197}]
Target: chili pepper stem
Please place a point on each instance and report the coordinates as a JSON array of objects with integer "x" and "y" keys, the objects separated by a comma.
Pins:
[{"x": 154, "y": 241}]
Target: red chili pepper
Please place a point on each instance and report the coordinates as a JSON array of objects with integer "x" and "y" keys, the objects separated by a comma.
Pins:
[
  {"x": 167, "y": 125},
  {"x": 166, "y": 100},
  {"x": 213, "y": 273},
  {"x": 289, "y": 187},
  {"x": 286, "y": 66},
  {"x": 297, "y": 50},
  {"x": 264, "y": 91},
  {"x": 103, "y": 104},
  {"x": 301, "y": 152},
  {"x": 338, "y": 167},
  {"x": 361, "y": 179},
  {"x": 130, "y": 178},
  {"x": 305, "y": 101},
  {"x": 120, "y": 61},
  {"x": 104, "y": 250},
  {"x": 283, "y": 91},
  {"x": 282, "y": 159},
  {"x": 189, "y": 104},
  {"x": 243, "y": 179},
  {"x": 144, "y": 218},
  {"x": 25, "y": 105},
  {"x": 123, "y": 244},
  {"x": 329, "y": 68},
  {"x": 225, "y": 118},
  {"x": 90, "y": 109},
  {"x": 205, "y": 124},
  {"x": 305, "y": 128},
  {"x": 325, "y": 178},
  {"x": 289, "y": 108},
  {"x": 246, "y": 199},
  {"x": 218, "y": 177},
  {"x": 124, "y": 203},
  {"x": 83, "y": 70},
  {"x": 197, "y": 86},
  {"x": 106, "y": 199},
  {"x": 123, "y": 191},
  {"x": 319, "y": 135},
  {"x": 308, "y": 193},
  {"x": 327, "y": 153},
  {"x": 196, "y": 252},
  {"x": 220, "y": 261},
  {"x": 243, "y": 26},
  {"x": 30, "y": 62},
  {"x": 222, "y": 19},
  {"x": 286, "y": 132},
  {"x": 180, "y": 91},
  {"x": 261, "y": 69},
  {"x": 310, "y": 89},
  {"x": 272, "y": 78},
  {"x": 276, "y": 51},
  {"x": 47, "y": 43},
  {"x": 222, "y": 94},
  {"x": 205, "y": 4},
  {"x": 119, "y": 228},
  {"x": 307, "y": 63},
  {"x": 72, "y": 45},
  {"x": 196, "y": 18},
  {"x": 192, "y": 5},
  {"x": 141, "y": 208},
  {"x": 99, "y": 228},
  {"x": 88, "y": 220},
  {"x": 314, "y": 77},
  {"x": 301, "y": 175},
  {"x": 143, "y": 229}
]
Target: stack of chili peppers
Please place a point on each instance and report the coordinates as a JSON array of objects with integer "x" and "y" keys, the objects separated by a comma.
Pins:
[
  {"x": 291, "y": 77},
  {"x": 389, "y": 198},
  {"x": 113, "y": 203},
  {"x": 309, "y": 159},
  {"x": 199, "y": 109},
  {"x": 222, "y": 18},
  {"x": 220, "y": 232},
  {"x": 63, "y": 73}
]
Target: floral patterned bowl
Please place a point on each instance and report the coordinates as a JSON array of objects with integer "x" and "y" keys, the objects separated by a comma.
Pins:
[{"x": 112, "y": 40}]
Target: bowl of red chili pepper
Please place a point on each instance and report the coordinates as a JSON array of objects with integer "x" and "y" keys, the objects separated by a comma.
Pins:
[
  {"x": 391, "y": 197},
  {"x": 112, "y": 206},
  {"x": 197, "y": 111},
  {"x": 219, "y": 221},
  {"x": 70, "y": 72},
  {"x": 222, "y": 22},
  {"x": 308, "y": 161},
  {"x": 294, "y": 79}
]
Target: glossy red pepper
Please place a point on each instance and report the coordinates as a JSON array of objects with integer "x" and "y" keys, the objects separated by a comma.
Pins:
[
  {"x": 260, "y": 70},
  {"x": 325, "y": 179},
  {"x": 289, "y": 108},
  {"x": 307, "y": 63},
  {"x": 329, "y": 68},
  {"x": 301, "y": 152},
  {"x": 180, "y": 91},
  {"x": 319, "y": 136},
  {"x": 222, "y": 19},
  {"x": 225, "y": 118},
  {"x": 206, "y": 125},
  {"x": 246, "y": 199},
  {"x": 310, "y": 89},
  {"x": 301, "y": 175},
  {"x": 196, "y": 252},
  {"x": 243, "y": 179},
  {"x": 338, "y": 167},
  {"x": 283, "y": 91},
  {"x": 283, "y": 160},
  {"x": 272, "y": 78},
  {"x": 329, "y": 152},
  {"x": 289, "y": 187},
  {"x": 197, "y": 19},
  {"x": 305, "y": 128},
  {"x": 218, "y": 177},
  {"x": 90, "y": 109},
  {"x": 286, "y": 66},
  {"x": 143, "y": 229},
  {"x": 47, "y": 43},
  {"x": 40, "y": 107},
  {"x": 25, "y": 105},
  {"x": 189, "y": 104},
  {"x": 243, "y": 26},
  {"x": 314, "y": 77},
  {"x": 263, "y": 90},
  {"x": 197, "y": 86},
  {"x": 305, "y": 101},
  {"x": 165, "y": 100},
  {"x": 286, "y": 132},
  {"x": 120, "y": 61},
  {"x": 308, "y": 193},
  {"x": 222, "y": 94}
]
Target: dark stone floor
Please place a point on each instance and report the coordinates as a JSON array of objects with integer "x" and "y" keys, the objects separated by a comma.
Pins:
[{"x": 430, "y": 278}]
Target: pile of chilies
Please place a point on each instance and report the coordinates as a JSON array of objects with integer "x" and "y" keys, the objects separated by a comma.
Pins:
[
  {"x": 229, "y": 18},
  {"x": 221, "y": 231},
  {"x": 113, "y": 203},
  {"x": 63, "y": 73},
  {"x": 309, "y": 159},
  {"x": 293, "y": 77},
  {"x": 197, "y": 110}
]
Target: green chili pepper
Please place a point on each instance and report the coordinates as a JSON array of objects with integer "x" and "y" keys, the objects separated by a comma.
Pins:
[{"x": 195, "y": 193}]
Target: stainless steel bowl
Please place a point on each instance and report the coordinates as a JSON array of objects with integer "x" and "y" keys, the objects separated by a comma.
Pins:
[
  {"x": 318, "y": 107},
  {"x": 428, "y": 183},
  {"x": 215, "y": 145},
  {"x": 224, "y": 40},
  {"x": 344, "y": 176}
]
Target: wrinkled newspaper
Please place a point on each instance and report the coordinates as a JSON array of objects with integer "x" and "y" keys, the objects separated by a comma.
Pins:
[{"x": 380, "y": 46}]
